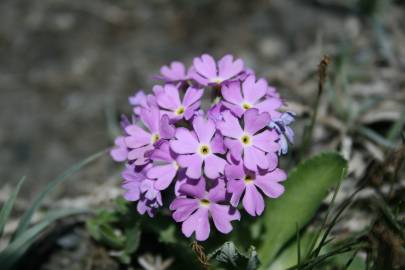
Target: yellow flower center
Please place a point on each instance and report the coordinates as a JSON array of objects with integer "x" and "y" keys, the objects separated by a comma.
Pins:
[
  {"x": 204, "y": 202},
  {"x": 245, "y": 139},
  {"x": 180, "y": 110},
  {"x": 248, "y": 179},
  {"x": 204, "y": 150},
  {"x": 246, "y": 106},
  {"x": 217, "y": 80},
  {"x": 176, "y": 165},
  {"x": 154, "y": 138}
]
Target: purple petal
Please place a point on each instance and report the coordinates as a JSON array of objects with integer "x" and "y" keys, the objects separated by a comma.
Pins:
[
  {"x": 237, "y": 110},
  {"x": 235, "y": 147},
  {"x": 193, "y": 74},
  {"x": 139, "y": 99},
  {"x": 119, "y": 153},
  {"x": 148, "y": 187},
  {"x": 162, "y": 153},
  {"x": 236, "y": 188},
  {"x": 217, "y": 193},
  {"x": 227, "y": 68},
  {"x": 169, "y": 98},
  {"x": 186, "y": 143},
  {"x": 151, "y": 117},
  {"x": 194, "y": 188},
  {"x": 273, "y": 160},
  {"x": 254, "y": 158},
  {"x": 157, "y": 90},
  {"x": 192, "y": 163},
  {"x": 234, "y": 172},
  {"x": 230, "y": 126},
  {"x": 270, "y": 106},
  {"x": 138, "y": 137},
  {"x": 139, "y": 153},
  {"x": 215, "y": 112},
  {"x": 192, "y": 96},
  {"x": 198, "y": 223},
  {"x": 166, "y": 130},
  {"x": 221, "y": 217},
  {"x": 163, "y": 174},
  {"x": 265, "y": 141},
  {"x": 204, "y": 129},
  {"x": 205, "y": 65},
  {"x": 191, "y": 111},
  {"x": 255, "y": 121},
  {"x": 133, "y": 193},
  {"x": 252, "y": 90},
  {"x": 217, "y": 144},
  {"x": 253, "y": 201},
  {"x": 214, "y": 166},
  {"x": 183, "y": 208},
  {"x": 269, "y": 183},
  {"x": 175, "y": 72},
  {"x": 231, "y": 93}
]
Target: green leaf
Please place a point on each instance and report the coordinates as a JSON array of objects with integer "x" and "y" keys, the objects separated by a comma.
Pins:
[
  {"x": 13, "y": 252},
  {"x": 111, "y": 237},
  {"x": 306, "y": 187},
  {"x": 132, "y": 239},
  {"x": 168, "y": 235},
  {"x": 8, "y": 206},
  {"x": 340, "y": 262},
  {"x": 288, "y": 256},
  {"x": 231, "y": 258},
  {"x": 26, "y": 218}
]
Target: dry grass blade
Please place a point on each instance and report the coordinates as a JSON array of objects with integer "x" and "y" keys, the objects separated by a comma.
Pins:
[{"x": 201, "y": 256}]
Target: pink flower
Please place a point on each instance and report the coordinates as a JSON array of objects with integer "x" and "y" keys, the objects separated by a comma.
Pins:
[
  {"x": 249, "y": 143},
  {"x": 141, "y": 101},
  {"x": 165, "y": 167},
  {"x": 173, "y": 143},
  {"x": 120, "y": 152},
  {"x": 198, "y": 148},
  {"x": 174, "y": 73},
  {"x": 272, "y": 92},
  {"x": 169, "y": 101},
  {"x": 140, "y": 141},
  {"x": 197, "y": 206},
  {"x": 253, "y": 96},
  {"x": 246, "y": 183},
  {"x": 207, "y": 72},
  {"x": 141, "y": 189},
  {"x": 215, "y": 112}
]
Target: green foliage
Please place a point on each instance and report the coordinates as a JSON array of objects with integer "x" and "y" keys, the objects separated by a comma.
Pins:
[
  {"x": 306, "y": 187},
  {"x": 8, "y": 206},
  {"x": 116, "y": 230},
  {"x": 26, "y": 218},
  {"x": 26, "y": 233},
  {"x": 16, "y": 249},
  {"x": 288, "y": 257},
  {"x": 231, "y": 258}
]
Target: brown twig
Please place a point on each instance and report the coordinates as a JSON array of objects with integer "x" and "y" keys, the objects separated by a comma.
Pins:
[
  {"x": 322, "y": 74},
  {"x": 201, "y": 256}
]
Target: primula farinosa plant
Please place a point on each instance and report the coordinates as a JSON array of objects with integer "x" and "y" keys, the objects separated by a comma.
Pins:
[{"x": 208, "y": 160}]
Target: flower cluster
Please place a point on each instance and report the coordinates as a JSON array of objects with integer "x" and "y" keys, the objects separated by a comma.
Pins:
[{"x": 204, "y": 158}]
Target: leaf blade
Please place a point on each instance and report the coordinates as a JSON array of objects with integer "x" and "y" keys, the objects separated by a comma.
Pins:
[
  {"x": 8, "y": 205},
  {"x": 10, "y": 255},
  {"x": 315, "y": 176},
  {"x": 26, "y": 218}
]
